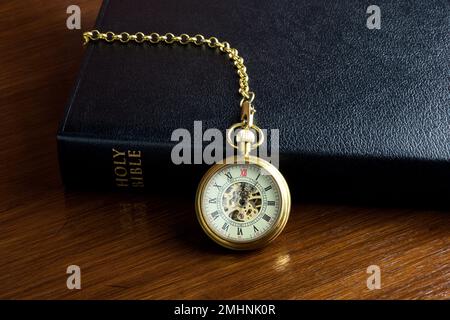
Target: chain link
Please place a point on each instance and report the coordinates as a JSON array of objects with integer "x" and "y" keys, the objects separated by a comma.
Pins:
[{"x": 183, "y": 39}]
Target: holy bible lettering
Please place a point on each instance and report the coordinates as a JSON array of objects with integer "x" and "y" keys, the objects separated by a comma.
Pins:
[{"x": 127, "y": 166}]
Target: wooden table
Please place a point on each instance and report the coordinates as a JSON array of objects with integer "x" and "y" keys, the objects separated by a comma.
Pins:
[{"x": 151, "y": 247}]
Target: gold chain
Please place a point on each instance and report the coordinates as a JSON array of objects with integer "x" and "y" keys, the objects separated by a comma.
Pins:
[{"x": 183, "y": 39}]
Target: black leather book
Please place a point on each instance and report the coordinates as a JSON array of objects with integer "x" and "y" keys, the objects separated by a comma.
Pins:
[{"x": 363, "y": 113}]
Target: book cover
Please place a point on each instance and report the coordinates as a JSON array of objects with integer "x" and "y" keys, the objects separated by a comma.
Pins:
[{"x": 362, "y": 113}]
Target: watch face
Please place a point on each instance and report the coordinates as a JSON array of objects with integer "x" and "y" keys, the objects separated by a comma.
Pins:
[{"x": 241, "y": 203}]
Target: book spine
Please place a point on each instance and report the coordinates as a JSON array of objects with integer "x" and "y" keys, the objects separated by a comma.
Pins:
[
  {"x": 87, "y": 163},
  {"x": 101, "y": 164}
]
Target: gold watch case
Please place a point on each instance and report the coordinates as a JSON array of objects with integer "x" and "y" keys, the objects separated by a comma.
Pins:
[{"x": 284, "y": 208}]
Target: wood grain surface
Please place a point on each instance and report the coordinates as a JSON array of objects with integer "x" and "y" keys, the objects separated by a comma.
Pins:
[{"x": 151, "y": 247}]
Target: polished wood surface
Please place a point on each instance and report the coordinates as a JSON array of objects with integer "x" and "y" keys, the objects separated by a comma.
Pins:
[{"x": 150, "y": 246}]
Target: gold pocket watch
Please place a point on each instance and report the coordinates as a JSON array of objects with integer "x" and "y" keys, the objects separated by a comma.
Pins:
[{"x": 243, "y": 202}]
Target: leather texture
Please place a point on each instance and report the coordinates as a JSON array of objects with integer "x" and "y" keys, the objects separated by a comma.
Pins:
[{"x": 361, "y": 113}]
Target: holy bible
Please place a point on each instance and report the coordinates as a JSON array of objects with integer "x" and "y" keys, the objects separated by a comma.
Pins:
[{"x": 362, "y": 112}]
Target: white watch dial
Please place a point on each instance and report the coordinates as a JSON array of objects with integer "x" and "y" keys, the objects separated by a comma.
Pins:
[{"x": 241, "y": 202}]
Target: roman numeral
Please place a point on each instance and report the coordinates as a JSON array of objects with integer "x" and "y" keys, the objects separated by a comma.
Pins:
[
  {"x": 259, "y": 174},
  {"x": 255, "y": 229},
  {"x": 268, "y": 188},
  {"x": 217, "y": 186},
  {"x": 229, "y": 176},
  {"x": 270, "y": 203},
  {"x": 215, "y": 215},
  {"x": 212, "y": 200},
  {"x": 243, "y": 172},
  {"x": 239, "y": 232},
  {"x": 266, "y": 217},
  {"x": 225, "y": 226}
]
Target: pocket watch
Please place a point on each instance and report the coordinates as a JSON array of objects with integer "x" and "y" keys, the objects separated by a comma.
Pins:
[{"x": 244, "y": 201}]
